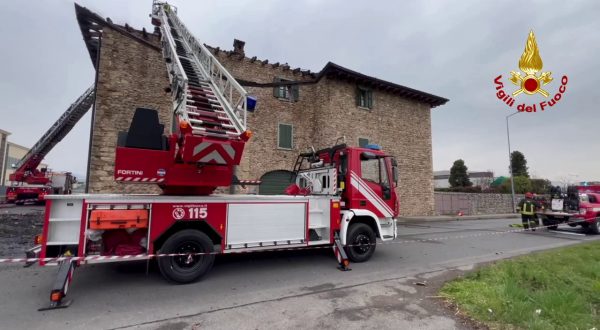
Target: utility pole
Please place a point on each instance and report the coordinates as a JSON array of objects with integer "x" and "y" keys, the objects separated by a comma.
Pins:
[{"x": 512, "y": 181}]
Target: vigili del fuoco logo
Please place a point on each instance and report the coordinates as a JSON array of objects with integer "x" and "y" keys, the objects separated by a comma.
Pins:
[{"x": 531, "y": 82}]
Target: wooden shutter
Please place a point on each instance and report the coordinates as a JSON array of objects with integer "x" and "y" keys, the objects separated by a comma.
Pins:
[
  {"x": 357, "y": 96},
  {"x": 369, "y": 98},
  {"x": 295, "y": 93},
  {"x": 285, "y": 136},
  {"x": 276, "y": 91}
]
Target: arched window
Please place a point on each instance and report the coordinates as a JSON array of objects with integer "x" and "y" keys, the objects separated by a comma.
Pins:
[{"x": 275, "y": 182}]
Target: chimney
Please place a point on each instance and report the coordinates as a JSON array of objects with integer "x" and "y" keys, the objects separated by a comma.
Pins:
[{"x": 238, "y": 47}]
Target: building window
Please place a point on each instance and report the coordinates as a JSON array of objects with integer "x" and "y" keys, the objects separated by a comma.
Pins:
[
  {"x": 285, "y": 136},
  {"x": 363, "y": 142},
  {"x": 364, "y": 97},
  {"x": 12, "y": 161},
  {"x": 286, "y": 92}
]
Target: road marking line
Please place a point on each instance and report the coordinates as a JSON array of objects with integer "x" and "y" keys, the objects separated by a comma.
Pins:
[{"x": 567, "y": 233}]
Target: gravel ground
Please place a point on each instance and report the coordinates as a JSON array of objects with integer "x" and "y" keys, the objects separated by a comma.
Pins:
[{"x": 18, "y": 226}]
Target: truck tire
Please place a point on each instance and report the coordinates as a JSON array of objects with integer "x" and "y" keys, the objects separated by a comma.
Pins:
[
  {"x": 186, "y": 269},
  {"x": 361, "y": 242},
  {"x": 550, "y": 223},
  {"x": 594, "y": 227}
]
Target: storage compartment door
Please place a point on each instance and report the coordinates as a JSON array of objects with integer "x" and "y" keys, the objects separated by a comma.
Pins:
[{"x": 251, "y": 225}]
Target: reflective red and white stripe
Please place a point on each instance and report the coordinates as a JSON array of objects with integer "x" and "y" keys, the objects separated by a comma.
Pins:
[
  {"x": 138, "y": 179},
  {"x": 370, "y": 195},
  {"x": 30, "y": 200},
  {"x": 338, "y": 255},
  {"x": 249, "y": 181},
  {"x": 336, "y": 250}
]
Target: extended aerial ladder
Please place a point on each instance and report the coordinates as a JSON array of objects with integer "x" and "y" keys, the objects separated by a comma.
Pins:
[
  {"x": 29, "y": 181},
  {"x": 209, "y": 108}
]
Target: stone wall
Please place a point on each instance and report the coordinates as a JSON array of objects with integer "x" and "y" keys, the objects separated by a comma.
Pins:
[
  {"x": 130, "y": 75},
  {"x": 402, "y": 127},
  {"x": 261, "y": 153},
  {"x": 450, "y": 203}
]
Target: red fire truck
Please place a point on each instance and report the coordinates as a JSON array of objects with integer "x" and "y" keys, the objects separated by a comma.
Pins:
[
  {"x": 345, "y": 194},
  {"x": 579, "y": 206},
  {"x": 341, "y": 196}
]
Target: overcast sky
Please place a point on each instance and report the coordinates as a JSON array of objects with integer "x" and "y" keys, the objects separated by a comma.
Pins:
[{"x": 453, "y": 49}]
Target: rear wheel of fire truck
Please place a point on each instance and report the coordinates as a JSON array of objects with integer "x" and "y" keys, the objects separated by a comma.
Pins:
[
  {"x": 550, "y": 223},
  {"x": 188, "y": 267},
  {"x": 361, "y": 242},
  {"x": 594, "y": 227}
]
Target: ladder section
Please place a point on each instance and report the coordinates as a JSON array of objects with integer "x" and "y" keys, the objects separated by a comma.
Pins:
[
  {"x": 206, "y": 95},
  {"x": 58, "y": 131}
]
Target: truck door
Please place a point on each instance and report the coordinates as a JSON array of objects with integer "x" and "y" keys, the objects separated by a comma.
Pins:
[{"x": 374, "y": 185}]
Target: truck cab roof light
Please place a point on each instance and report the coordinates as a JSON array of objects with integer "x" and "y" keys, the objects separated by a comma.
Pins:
[{"x": 373, "y": 146}]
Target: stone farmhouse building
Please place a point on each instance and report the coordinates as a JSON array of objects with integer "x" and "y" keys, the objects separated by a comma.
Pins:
[{"x": 332, "y": 103}]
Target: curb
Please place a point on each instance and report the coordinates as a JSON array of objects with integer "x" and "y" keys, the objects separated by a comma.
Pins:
[{"x": 458, "y": 218}]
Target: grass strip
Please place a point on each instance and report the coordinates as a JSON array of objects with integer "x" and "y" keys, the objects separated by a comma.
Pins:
[{"x": 556, "y": 289}]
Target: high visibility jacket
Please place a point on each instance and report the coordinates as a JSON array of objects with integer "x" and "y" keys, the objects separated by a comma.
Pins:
[{"x": 528, "y": 208}]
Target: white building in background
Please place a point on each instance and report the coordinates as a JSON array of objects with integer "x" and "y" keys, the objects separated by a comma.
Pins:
[{"x": 478, "y": 178}]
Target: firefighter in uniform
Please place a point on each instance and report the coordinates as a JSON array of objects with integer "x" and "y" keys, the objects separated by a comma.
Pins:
[{"x": 527, "y": 207}]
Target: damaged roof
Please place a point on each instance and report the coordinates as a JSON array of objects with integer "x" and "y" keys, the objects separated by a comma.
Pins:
[{"x": 91, "y": 25}]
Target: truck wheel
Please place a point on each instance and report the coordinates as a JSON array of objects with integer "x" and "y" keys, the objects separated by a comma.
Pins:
[
  {"x": 362, "y": 242},
  {"x": 550, "y": 223},
  {"x": 186, "y": 268},
  {"x": 594, "y": 227}
]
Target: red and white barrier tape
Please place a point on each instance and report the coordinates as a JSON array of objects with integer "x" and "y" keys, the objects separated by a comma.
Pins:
[
  {"x": 249, "y": 182},
  {"x": 160, "y": 255}
]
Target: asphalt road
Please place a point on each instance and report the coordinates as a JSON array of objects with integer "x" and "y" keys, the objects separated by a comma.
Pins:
[{"x": 274, "y": 290}]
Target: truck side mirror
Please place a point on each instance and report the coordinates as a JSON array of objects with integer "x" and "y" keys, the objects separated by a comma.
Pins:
[
  {"x": 387, "y": 191},
  {"x": 395, "y": 171}
]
